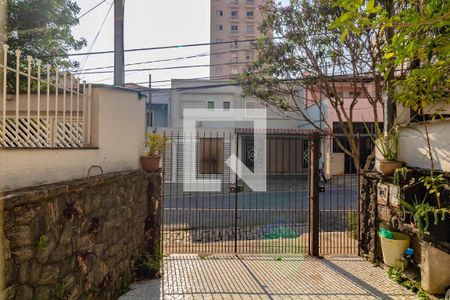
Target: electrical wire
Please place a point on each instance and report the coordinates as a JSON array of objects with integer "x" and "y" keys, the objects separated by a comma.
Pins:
[
  {"x": 91, "y": 9},
  {"x": 155, "y": 48},
  {"x": 97, "y": 35},
  {"x": 162, "y": 68},
  {"x": 166, "y": 59}
]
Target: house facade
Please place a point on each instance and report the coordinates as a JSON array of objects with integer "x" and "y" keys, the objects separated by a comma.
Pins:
[
  {"x": 363, "y": 115},
  {"x": 286, "y": 132}
]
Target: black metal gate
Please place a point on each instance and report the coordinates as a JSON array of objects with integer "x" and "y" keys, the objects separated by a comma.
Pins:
[{"x": 239, "y": 220}]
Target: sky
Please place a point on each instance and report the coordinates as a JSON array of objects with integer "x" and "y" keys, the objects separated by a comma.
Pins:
[{"x": 148, "y": 23}]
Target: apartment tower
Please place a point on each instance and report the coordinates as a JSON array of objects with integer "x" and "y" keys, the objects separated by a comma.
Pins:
[{"x": 233, "y": 20}]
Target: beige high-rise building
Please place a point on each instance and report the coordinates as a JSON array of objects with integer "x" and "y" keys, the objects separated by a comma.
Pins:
[{"x": 233, "y": 20}]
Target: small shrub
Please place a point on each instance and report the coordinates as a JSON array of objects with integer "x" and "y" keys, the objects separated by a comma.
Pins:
[
  {"x": 125, "y": 284},
  {"x": 149, "y": 264},
  {"x": 351, "y": 223},
  {"x": 60, "y": 292},
  {"x": 396, "y": 274},
  {"x": 41, "y": 243}
]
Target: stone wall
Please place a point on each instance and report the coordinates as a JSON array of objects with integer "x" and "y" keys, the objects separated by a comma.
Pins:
[
  {"x": 369, "y": 223},
  {"x": 376, "y": 212},
  {"x": 77, "y": 239}
]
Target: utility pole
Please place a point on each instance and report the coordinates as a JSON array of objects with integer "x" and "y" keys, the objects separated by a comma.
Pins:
[
  {"x": 119, "y": 60},
  {"x": 3, "y": 33},
  {"x": 149, "y": 102}
]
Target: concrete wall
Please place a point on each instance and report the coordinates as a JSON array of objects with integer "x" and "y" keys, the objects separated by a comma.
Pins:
[
  {"x": 413, "y": 148},
  {"x": 118, "y": 127}
]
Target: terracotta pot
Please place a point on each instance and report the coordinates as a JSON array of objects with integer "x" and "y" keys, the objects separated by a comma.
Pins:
[
  {"x": 388, "y": 167},
  {"x": 151, "y": 163}
]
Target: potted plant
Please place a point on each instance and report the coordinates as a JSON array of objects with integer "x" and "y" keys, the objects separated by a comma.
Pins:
[
  {"x": 156, "y": 145},
  {"x": 387, "y": 145}
]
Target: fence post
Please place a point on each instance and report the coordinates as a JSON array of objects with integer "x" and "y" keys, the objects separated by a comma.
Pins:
[{"x": 314, "y": 195}]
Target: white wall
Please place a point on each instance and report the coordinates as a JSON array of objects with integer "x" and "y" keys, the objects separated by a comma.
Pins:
[
  {"x": 413, "y": 146},
  {"x": 118, "y": 133},
  {"x": 222, "y": 92}
]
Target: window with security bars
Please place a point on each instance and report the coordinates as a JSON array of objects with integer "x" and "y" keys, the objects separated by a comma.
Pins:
[{"x": 210, "y": 156}]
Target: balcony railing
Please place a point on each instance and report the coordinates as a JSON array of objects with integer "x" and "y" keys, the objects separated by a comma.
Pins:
[{"x": 42, "y": 107}]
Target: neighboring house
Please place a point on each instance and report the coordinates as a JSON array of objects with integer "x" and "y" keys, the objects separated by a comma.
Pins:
[
  {"x": 286, "y": 132},
  {"x": 157, "y": 106},
  {"x": 217, "y": 140},
  {"x": 336, "y": 162}
]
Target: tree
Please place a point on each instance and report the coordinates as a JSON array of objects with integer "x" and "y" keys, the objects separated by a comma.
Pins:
[
  {"x": 401, "y": 47},
  {"x": 302, "y": 47},
  {"x": 417, "y": 50},
  {"x": 42, "y": 29}
]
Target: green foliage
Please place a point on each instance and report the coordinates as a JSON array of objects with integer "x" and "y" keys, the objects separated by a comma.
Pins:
[
  {"x": 351, "y": 223},
  {"x": 125, "y": 284},
  {"x": 43, "y": 29},
  {"x": 433, "y": 184},
  {"x": 278, "y": 258},
  {"x": 93, "y": 291},
  {"x": 421, "y": 212},
  {"x": 400, "y": 174},
  {"x": 149, "y": 263},
  {"x": 60, "y": 292},
  {"x": 413, "y": 40},
  {"x": 41, "y": 243},
  {"x": 396, "y": 274},
  {"x": 298, "y": 48},
  {"x": 156, "y": 144},
  {"x": 387, "y": 144}
]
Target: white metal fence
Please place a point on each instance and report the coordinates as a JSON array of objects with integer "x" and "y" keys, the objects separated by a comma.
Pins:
[{"x": 42, "y": 107}]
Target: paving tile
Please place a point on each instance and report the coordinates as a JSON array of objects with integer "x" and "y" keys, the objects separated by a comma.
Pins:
[{"x": 249, "y": 277}]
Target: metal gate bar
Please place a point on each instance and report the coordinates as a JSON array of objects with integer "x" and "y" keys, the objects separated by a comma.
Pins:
[{"x": 238, "y": 220}]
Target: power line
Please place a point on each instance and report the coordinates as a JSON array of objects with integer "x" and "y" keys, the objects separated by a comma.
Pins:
[
  {"x": 163, "y": 68},
  {"x": 166, "y": 59},
  {"x": 292, "y": 80},
  {"x": 217, "y": 77},
  {"x": 91, "y": 9},
  {"x": 98, "y": 34},
  {"x": 155, "y": 48}
]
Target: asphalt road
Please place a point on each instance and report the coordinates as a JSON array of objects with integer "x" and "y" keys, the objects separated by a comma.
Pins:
[{"x": 212, "y": 210}]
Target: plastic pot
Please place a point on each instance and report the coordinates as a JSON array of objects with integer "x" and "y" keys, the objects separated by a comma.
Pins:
[{"x": 393, "y": 249}]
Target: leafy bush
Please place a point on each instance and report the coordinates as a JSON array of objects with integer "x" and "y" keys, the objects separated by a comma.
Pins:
[
  {"x": 156, "y": 144},
  {"x": 351, "y": 223}
]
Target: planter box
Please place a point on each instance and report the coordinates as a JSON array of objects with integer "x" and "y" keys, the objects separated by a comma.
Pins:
[{"x": 434, "y": 269}]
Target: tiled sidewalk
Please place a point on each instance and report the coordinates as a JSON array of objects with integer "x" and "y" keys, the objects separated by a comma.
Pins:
[{"x": 268, "y": 277}]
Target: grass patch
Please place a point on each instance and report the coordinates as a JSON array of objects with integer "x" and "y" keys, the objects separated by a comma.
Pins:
[{"x": 396, "y": 274}]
